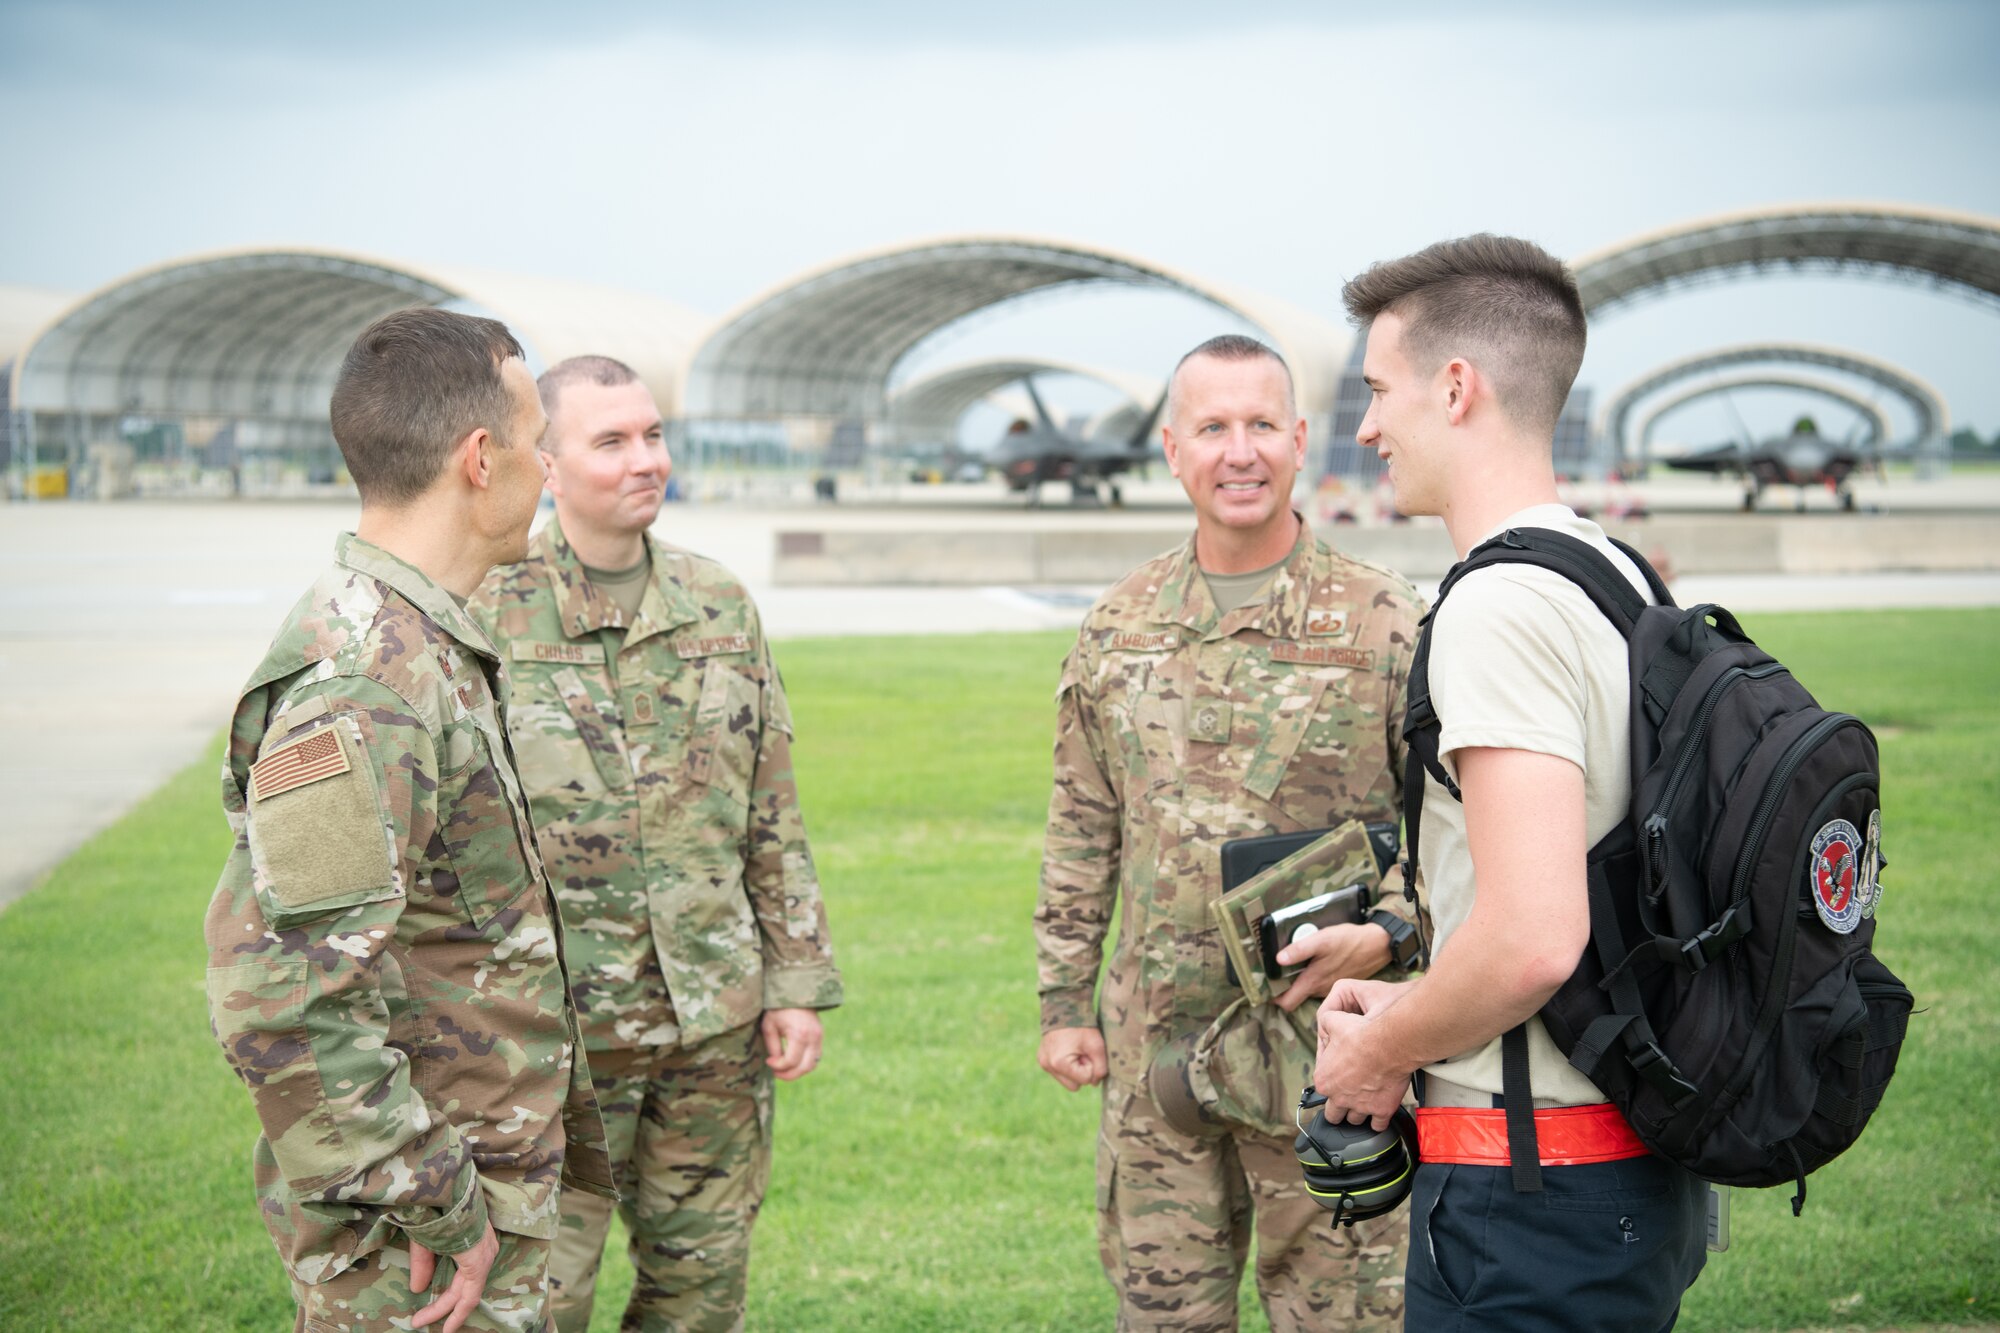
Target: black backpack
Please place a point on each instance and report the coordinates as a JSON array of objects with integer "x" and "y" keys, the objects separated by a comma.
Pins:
[{"x": 1728, "y": 1003}]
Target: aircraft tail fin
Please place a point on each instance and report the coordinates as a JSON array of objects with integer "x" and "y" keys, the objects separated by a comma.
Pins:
[
  {"x": 1141, "y": 437},
  {"x": 1041, "y": 411}
]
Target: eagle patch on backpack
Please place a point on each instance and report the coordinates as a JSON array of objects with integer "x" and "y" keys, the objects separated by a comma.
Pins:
[{"x": 1729, "y": 1002}]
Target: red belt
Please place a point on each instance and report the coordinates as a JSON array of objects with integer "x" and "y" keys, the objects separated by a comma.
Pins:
[{"x": 1564, "y": 1135}]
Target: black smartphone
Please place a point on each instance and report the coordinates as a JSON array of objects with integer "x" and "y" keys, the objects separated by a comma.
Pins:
[{"x": 1289, "y": 925}]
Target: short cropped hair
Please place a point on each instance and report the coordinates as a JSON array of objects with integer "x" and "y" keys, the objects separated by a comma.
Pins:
[
  {"x": 1230, "y": 347},
  {"x": 414, "y": 384},
  {"x": 599, "y": 370},
  {"x": 1506, "y": 305}
]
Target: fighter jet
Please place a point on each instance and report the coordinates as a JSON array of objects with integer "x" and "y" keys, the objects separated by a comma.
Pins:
[
  {"x": 1801, "y": 459},
  {"x": 1032, "y": 452}
]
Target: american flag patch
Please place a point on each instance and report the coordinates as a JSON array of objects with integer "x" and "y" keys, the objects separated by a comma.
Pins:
[{"x": 295, "y": 763}]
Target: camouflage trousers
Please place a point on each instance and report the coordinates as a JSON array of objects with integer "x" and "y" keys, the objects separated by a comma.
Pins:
[
  {"x": 374, "y": 1295},
  {"x": 690, "y": 1136},
  {"x": 1176, "y": 1215}
]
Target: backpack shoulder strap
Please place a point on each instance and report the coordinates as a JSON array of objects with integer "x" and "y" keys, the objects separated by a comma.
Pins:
[
  {"x": 1582, "y": 564},
  {"x": 1420, "y": 757},
  {"x": 1420, "y": 720},
  {"x": 1658, "y": 585},
  {"x": 1576, "y": 560}
]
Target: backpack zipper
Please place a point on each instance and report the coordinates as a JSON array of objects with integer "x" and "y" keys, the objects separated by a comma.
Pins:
[
  {"x": 1691, "y": 748},
  {"x": 1781, "y": 963},
  {"x": 1774, "y": 789}
]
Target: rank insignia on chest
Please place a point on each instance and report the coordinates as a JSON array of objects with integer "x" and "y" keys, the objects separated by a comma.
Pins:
[
  {"x": 1324, "y": 623},
  {"x": 1323, "y": 654},
  {"x": 642, "y": 710},
  {"x": 695, "y": 646},
  {"x": 1211, "y": 720}
]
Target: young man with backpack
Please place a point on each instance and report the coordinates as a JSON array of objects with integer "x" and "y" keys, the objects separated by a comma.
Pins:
[{"x": 1472, "y": 347}]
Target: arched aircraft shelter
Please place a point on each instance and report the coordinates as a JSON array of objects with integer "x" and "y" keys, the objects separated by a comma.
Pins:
[
  {"x": 233, "y": 354},
  {"x": 1867, "y": 408},
  {"x": 821, "y": 350},
  {"x": 1954, "y": 252},
  {"x": 1933, "y": 418},
  {"x": 23, "y": 313}
]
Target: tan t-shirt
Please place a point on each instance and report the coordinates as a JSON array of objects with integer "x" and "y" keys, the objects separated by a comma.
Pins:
[
  {"x": 1522, "y": 659},
  {"x": 625, "y": 587},
  {"x": 1233, "y": 590}
]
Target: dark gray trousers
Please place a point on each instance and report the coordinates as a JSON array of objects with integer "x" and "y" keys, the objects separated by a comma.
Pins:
[{"x": 1608, "y": 1246}]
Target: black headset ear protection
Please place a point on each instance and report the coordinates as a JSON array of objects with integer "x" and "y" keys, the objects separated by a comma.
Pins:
[{"x": 1355, "y": 1171}]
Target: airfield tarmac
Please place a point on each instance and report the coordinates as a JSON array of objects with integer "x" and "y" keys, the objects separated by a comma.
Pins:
[{"x": 126, "y": 628}]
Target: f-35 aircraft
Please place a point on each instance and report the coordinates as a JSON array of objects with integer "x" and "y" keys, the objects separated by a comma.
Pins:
[
  {"x": 1801, "y": 459},
  {"x": 1032, "y": 452}
]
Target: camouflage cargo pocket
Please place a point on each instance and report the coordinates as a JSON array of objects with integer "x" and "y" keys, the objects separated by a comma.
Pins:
[
  {"x": 1309, "y": 759},
  {"x": 568, "y": 750},
  {"x": 727, "y": 725},
  {"x": 258, "y": 1010},
  {"x": 477, "y": 822},
  {"x": 1158, "y": 758},
  {"x": 1146, "y": 751},
  {"x": 1107, "y": 1154}
]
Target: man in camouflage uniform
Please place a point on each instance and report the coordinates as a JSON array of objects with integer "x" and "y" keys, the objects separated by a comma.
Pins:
[
  {"x": 1249, "y": 683},
  {"x": 385, "y": 960},
  {"x": 656, "y": 747}
]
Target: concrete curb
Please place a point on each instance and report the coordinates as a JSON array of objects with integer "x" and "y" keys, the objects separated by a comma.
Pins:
[{"x": 890, "y": 556}]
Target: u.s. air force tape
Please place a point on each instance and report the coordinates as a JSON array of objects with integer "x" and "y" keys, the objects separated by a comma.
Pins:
[
  {"x": 713, "y": 646},
  {"x": 1323, "y": 654}
]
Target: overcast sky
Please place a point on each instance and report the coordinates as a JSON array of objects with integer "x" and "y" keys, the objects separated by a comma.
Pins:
[{"x": 704, "y": 153}]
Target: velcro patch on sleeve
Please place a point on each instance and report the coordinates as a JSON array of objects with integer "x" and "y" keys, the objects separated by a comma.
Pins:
[
  {"x": 571, "y": 654},
  {"x": 292, "y": 716},
  {"x": 695, "y": 646},
  {"x": 315, "y": 824},
  {"x": 311, "y": 758}
]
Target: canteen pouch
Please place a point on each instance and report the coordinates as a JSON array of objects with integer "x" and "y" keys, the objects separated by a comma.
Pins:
[{"x": 1344, "y": 856}]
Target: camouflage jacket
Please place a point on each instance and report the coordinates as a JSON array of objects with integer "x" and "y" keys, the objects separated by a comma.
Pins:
[
  {"x": 658, "y": 761},
  {"x": 1177, "y": 731},
  {"x": 385, "y": 963}
]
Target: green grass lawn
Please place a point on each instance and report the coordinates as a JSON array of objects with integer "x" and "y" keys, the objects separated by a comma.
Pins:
[{"x": 929, "y": 1176}]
